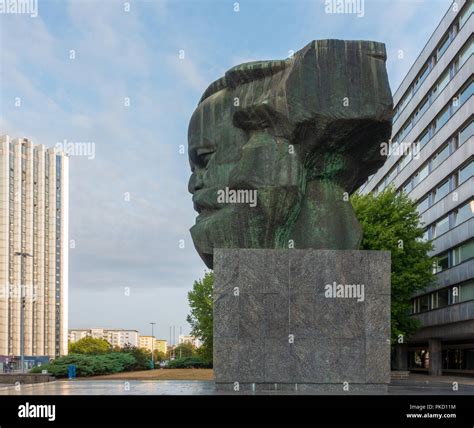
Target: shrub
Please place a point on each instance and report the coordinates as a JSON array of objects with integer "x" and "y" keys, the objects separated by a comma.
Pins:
[
  {"x": 90, "y": 365},
  {"x": 189, "y": 363},
  {"x": 142, "y": 357}
]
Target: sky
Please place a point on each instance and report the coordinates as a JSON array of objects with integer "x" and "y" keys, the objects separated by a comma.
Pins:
[{"x": 125, "y": 77}]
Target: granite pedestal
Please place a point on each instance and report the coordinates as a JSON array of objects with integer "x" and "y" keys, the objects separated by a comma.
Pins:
[{"x": 315, "y": 321}]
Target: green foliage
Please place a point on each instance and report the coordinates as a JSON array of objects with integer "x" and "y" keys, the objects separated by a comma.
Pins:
[
  {"x": 200, "y": 318},
  {"x": 189, "y": 363},
  {"x": 90, "y": 346},
  {"x": 90, "y": 365},
  {"x": 142, "y": 357},
  {"x": 116, "y": 360},
  {"x": 159, "y": 356},
  {"x": 392, "y": 223},
  {"x": 184, "y": 350}
]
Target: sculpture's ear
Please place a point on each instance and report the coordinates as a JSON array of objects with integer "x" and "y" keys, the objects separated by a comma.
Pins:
[{"x": 251, "y": 71}]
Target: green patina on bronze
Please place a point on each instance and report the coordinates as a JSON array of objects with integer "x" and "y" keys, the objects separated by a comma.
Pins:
[{"x": 303, "y": 133}]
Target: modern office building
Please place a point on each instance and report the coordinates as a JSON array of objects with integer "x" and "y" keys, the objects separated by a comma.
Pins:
[
  {"x": 33, "y": 251},
  {"x": 432, "y": 160},
  {"x": 116, "y": 337}
]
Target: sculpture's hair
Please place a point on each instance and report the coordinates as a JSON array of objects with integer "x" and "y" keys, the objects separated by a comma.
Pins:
[{"x": 244, "y": 73}]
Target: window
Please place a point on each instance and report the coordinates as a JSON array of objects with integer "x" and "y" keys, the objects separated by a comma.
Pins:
[
  {"x": 443, "y": 46},
  {"x": 405, "y": 131},
  {"x": 421, "y": 110},
  {"x": 407, "y": 188},
  {"x": 442, "y": 118},
  {"x": 466, "y": 52},
  {"x": 467, "y": 291},
  {"x": 421, "y": 78},
  {"x": 440, "y": 156},
  {"x": 466, "y": 93},
  {"x": 433, "y": 300},
  {"x": 466, "y": 172},
  {"x": 442, "y": 263},
  {"x": 405, "y": 160},
  {"x": 443, "y": 81},
  {"x": 443, "y": 298},
  {"x": 425, "y": 303},
  {"x": 466, "y": 14},
  {"x": 391, "y": 175},
  {"x": 423, "y": 205},
  {"x": 403, "y": 102},
  {"x": 463, "y": 253},
  {"x": 466, "y": 133},
  {"x": 464, "y": 213},
  {"x": 426, "y": 235},
  {"x": 442, "y": 226},
  {"x": 441, "y": 191},
  {"x": 421, "y": 175},
  {"x": 395, "y": 115}
]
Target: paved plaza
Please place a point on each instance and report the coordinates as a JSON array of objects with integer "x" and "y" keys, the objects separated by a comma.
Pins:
[{"x": 413, "y": 386}]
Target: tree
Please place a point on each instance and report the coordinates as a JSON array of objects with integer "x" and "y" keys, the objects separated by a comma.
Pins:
[
  {"x": 200, "y": 318},
  {"x": 184, "y": 350},
  {"x": 90, "y": 345},
  {"x": 142, "y": 356},
  {"x": 391, "y": 222},
  {"x": 158, "y": 355}
]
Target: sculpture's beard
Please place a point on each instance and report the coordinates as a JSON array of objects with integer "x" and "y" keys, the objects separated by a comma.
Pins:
[
  {"x": 282, "y": 218},
  {"x": 245, "y": 225}
]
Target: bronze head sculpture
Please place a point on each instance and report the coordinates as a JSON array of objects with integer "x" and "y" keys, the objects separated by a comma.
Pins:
[{"x": 276, "y": 147}]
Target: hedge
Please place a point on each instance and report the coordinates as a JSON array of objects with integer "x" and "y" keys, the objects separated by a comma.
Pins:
[
  {"x": 90, "y": 365},
  {"x": 188, "y": 363}
]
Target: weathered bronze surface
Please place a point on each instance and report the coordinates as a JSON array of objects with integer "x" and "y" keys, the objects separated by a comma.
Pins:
[{"x": 276, "y": 147}]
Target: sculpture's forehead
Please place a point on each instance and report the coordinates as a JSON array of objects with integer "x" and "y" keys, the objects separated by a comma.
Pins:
[
  {"x": 211, "y": 130},
  {"x": 208, "y": 118}
]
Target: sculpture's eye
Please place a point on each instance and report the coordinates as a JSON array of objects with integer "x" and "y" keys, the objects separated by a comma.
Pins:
[{"x": 204, "y": 156}]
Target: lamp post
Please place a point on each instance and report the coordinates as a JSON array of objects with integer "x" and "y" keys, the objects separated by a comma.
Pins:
[
  {"x": 23, "y": 255},
  {"x": 152, "y": 345}
]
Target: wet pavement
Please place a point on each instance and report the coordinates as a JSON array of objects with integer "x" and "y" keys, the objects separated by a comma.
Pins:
[{"x": 439, "y": 386}]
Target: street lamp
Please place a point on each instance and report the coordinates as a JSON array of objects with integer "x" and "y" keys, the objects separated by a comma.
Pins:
[
  {"x": 152, "y": 345},
  {"x": 23, "y": 255}
]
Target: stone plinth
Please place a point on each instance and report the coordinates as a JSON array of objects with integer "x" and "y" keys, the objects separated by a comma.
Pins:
[{"x": 278, "y": 326}]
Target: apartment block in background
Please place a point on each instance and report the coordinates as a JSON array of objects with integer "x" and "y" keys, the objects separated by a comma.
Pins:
[
  {"x": 147, "y": 342},
  {"x": 189, "y": 339},
  {"x": 116, "y": 337},
  {"x": 33, "y": 250},
  {"x": 432, "y": 161}
]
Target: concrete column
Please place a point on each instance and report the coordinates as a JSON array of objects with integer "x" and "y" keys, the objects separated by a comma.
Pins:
[
  {"x": 434, "y": 347},
  {"x": 401, "y": 357}
]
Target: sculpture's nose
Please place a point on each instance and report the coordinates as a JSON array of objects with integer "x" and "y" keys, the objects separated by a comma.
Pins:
[{"x": 195, "y": 181}]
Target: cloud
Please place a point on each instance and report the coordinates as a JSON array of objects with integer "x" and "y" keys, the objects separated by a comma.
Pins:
[{"x": 188, "y": 71}]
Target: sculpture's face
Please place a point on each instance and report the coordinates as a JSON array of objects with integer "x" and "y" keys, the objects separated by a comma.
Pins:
[
  {"x": 225, "y": 159},
  {"x": 273, "y": 148}
]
